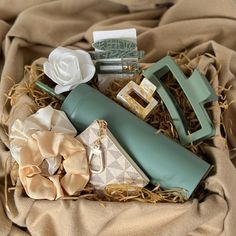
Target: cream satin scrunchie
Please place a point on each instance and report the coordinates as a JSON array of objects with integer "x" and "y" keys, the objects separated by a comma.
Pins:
[
  {"x": 52, "y": 164},
  {"x": 71, "y": 167}
]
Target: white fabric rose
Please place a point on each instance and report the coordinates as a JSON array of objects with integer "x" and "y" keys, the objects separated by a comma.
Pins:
[{"x": 69, "y": 68}]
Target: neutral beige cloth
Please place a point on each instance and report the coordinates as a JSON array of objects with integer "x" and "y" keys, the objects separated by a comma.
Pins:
[{"x": 31, "y": 29}]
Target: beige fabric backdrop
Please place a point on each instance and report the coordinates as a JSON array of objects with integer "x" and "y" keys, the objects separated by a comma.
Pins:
[{"x": 30, "y": 29}]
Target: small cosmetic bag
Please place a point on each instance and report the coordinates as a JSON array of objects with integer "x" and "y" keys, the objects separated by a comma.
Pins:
[{"x": 109, "y": 162}]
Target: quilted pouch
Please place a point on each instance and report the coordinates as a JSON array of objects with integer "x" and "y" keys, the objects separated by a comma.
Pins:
[{"x": 109, "y": 162}]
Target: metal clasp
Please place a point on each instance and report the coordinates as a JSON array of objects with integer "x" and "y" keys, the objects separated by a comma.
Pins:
[{"x": 96, "y": 152}]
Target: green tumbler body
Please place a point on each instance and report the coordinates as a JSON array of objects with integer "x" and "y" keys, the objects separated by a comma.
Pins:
[{"x": 163, "y": 160}]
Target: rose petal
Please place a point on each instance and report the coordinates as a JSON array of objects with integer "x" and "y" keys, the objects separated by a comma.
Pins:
[
  {"x": 57, "y": 52},
  {"x": 48, "y": 70},
  {"x": 61, "y": 89},
  {"x": 87, "y": 71},
  {"x": 84, "y": 57}
]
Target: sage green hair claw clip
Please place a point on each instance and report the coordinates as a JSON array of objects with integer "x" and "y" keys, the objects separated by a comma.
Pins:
[{"x": 197, "y": 90}]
